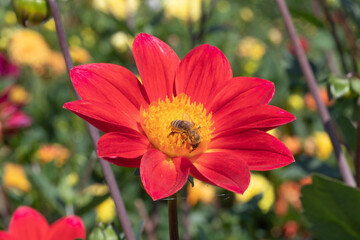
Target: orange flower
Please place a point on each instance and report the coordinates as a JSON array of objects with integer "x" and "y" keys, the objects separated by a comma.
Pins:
[
  {"x": 289, "y": 193},
  {"x": 310, "y": 101},
  {"x": 293, "y": 143},
  {"x": 53, "y": 152}
]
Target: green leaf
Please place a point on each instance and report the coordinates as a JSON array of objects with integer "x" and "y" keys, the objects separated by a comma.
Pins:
[
  {"x": 97, "y": 233},
  {"x": 103, "y": 233},
  {"x": 332, "y": 208},
  {"x": 309, "y": 17},
  {"x": 355, "y": 84},
  {"x": 110, "y": 233},
  {"x": 339, "y": 87},
  {"x": 191, "y": 180},
  {"x": 47, "y": 190},
  {"x": 140, "y": 230}
]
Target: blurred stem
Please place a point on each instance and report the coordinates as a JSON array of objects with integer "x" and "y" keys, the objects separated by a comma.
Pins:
[
  {"x": 130, "y": 19},
  {"x": 357, "y": 153},
  {"x": 334, "y": 34},
  {"x": 173, "y": 219},
  {"x": 94, "y": 133},
  {"x": 86, "y": 174},
  {"x": 185, "y": 220},
  {"x": 351, "y": 39},
  {"x": 149, "y": 226},
  {"x": 3, "y": 207},
  {"x": 311, "y": 82}
]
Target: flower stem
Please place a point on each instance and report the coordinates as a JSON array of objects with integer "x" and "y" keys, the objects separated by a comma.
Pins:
[
  {"x": 173, "y": 219},
  {"x": 357, "y": 154},
  {"x": 311, "y": 82},
  {"x": 334, "y": 34},
  {"x": 94, "y": 133}
]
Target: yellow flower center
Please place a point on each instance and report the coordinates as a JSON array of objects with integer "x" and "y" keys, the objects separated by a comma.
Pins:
[{"x": 177, "y": 127}]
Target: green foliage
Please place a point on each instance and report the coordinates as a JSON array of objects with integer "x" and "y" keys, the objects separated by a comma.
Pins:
[
  {"x": 332, "y": 209},
  {"x": 329, "y": 206}
]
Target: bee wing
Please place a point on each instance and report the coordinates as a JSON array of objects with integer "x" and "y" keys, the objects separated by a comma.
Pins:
[{"x": 187, "y": 118}]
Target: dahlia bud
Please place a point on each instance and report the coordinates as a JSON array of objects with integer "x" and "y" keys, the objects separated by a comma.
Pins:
[{"x": 31, "y": 12}]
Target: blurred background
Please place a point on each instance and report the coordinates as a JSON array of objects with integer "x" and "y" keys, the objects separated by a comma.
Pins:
[{"x": 46, "y": 156}]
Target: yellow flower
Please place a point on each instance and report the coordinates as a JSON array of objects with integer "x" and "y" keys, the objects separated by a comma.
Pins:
[
  {"x": 223, "y": 6},
  {"x": 15, "y": 178},
  {"x": 10, "y": 17},
  {"x": 96, "y": 189},
  {"x": 18, "y": 95},
  {"x": 275, "y": 36},
  {"x": 28, "y": 47},
  {"x": 122, "y": 41},
  {"x": 88, "y": 35},
  {"x": 117, "y": 8},
  {"x": 250, "y": 47},
  {"x": 72, "y": 179},
  {"x": 323, "y": 145},
  {"x": 105, "y": 211},
  {"x": 259, "y": 185},
  {"x": 53, "y": 152},
  {"x": 250, "y": 66},
  {"x": 200, "y": 192},
  {"x": 183, "y": 9},
  {"x": 246, "y": 14},
  {"x": 79, "y": 55},
  {"x": 296, "y": 102},
  {"x": 50, "y": 25}
]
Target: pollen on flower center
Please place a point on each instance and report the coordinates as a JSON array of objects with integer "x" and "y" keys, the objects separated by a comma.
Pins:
[{"x": 177, "y": 127}]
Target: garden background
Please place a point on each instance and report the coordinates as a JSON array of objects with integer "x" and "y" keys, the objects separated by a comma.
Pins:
[{"x": 47, "y": 159}]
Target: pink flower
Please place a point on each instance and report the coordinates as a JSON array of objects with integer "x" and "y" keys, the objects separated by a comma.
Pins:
[
  {"x": 27, "y": 223},
  {"x": 11, "y": 117},
  {"x": 7, "y": 69},
  {"x": 186, "y": 117}
]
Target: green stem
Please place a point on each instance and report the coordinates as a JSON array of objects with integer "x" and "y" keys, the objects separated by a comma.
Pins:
[
  {"x": 173, "y": 218},
  {"x": 357, "y": 154}
]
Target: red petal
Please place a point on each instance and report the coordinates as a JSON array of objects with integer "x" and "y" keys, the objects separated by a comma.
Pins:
[
  {"x": 202, "y": 71},
  {"x": 124, "y": 145},
  {"x": 222, "y": 169},
  {"x": 156, "y": 63},
  {"x": 105, "y": 117},
  {"x": 6, "y": 236},
  {"x": 161, "y": 175},
  {"x": 108, "y": 83},
  {"x": 27, "y": 223},
  {"x": 262, "y": 117},
  {"x": 259, "y": 150},
  {"x": 67, "y": 228},
  {"x": 241, "y": 92},
  {"x": 125, "y": 162}
]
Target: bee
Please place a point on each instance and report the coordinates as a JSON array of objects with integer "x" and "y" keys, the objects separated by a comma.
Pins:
[{"x": 187, "y": 129}]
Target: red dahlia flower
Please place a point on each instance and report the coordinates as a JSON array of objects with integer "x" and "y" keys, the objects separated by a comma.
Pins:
[
  {"x": 27, "y": 223},
  {"x": 186, "y": 117}
]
